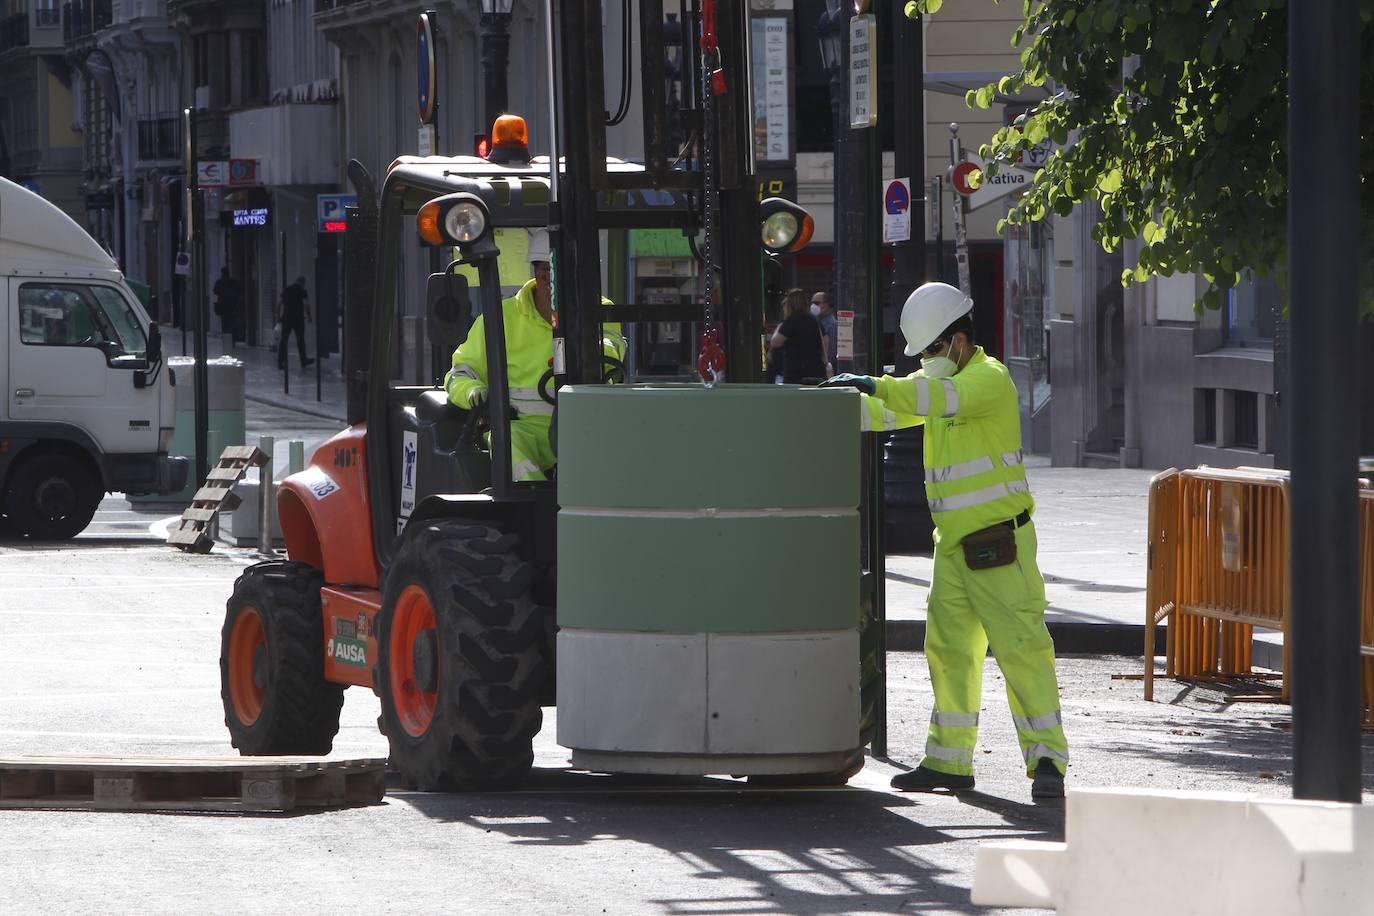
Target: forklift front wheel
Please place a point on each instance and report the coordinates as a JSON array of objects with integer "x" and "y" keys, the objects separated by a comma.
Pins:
[{"x": 460, "y": 659}]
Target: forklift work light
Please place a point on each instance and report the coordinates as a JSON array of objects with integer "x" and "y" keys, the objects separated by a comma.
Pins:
[
  {"x": 784, "y": 226},
  {"x": 465, "y": 222},
  {"x": 454, "y": 219}
]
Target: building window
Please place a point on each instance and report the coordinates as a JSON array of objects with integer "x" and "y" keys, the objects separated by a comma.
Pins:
[
  {"x": 200, "y": 52},
  {"x": 1244, "y": 420},
  {"x": 1250, "y": 310},
  {"x": 1204, "y": 416},
  {"x": 250, "y": 44}
]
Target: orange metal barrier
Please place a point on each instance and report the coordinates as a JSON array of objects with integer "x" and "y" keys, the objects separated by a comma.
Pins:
[
  {"x": 1218, "y": 555},
  {"x": 1218, "y": 567}
]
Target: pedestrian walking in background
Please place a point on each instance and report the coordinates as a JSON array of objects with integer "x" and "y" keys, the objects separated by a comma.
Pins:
[
  {"x": 825, "y": 316},
  {"x": 228, "y": 296},
  {"x": 987, "y": 591},
  {"x": 799, "y": 338},
  {"x": 295, "y": 312}
]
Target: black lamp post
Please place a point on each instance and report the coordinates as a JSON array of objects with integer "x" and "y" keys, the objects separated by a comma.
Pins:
[
  {"x": 831, "y": 30},
  {"x": 495, "y": 28}
]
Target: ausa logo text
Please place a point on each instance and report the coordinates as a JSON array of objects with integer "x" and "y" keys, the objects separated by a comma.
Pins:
[{"x": 348, "y": 651}]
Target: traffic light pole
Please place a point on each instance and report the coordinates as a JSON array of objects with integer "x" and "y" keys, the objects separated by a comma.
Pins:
[
  {"x": 194, "y": 298},
  {"x": 1324, "y": 259}
]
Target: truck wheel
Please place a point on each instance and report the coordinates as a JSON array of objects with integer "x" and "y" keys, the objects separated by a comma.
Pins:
[
  {"x": 52, "y": 496},
  {"x": 271, "y": 663},
  {"x": 459, "y": 659}
]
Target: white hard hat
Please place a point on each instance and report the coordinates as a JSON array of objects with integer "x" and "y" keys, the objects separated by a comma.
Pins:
[
  {"x": 930, "y": 309},
  {"x": 539, "y": 245}
]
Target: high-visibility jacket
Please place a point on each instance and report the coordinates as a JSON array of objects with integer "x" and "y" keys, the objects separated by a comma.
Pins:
[
  {"x": 529, "y": 348},
  {"x": 975, "y": 472}
]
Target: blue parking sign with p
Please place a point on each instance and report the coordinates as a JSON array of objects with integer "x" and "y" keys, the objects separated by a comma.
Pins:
[{"x": 330, "y": 209}]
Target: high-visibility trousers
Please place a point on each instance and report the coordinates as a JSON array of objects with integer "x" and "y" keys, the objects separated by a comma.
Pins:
[
  {"x": 531, "y": 452},
  {"x": 1003, "y": 609}
]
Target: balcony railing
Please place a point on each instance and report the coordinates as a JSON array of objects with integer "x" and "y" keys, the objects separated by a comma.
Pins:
[
  {"x": 14, "y": 32},
  {"x": 159, "y": 137},
  {"x": 47, "y": 17},
  {"x": 322, "y": 6},
  {"x": 84, "y": 17}
]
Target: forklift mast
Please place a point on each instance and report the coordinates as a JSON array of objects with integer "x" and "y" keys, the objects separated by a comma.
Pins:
[{"x": 719, "y": 130}]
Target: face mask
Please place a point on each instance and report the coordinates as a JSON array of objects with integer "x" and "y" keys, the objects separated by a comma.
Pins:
[
  {"x": 815, "y": 309},
  {"x": 939, "y": 366}
]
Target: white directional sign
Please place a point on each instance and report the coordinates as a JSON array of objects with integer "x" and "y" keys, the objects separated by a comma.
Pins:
[{"x": 1008, "y": 180}]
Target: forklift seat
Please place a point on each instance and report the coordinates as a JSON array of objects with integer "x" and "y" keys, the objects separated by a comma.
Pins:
[{"x": 434, "y": 409}]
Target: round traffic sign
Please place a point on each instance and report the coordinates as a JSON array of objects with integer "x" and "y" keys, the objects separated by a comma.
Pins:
[
  {"x": 897, "y": 198},
  {"x": 425, "y": 77},
  {"x": 960, "y": 177}
]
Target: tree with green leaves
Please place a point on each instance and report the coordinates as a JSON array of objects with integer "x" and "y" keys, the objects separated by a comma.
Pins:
[{"x": 1173, "y": 116}]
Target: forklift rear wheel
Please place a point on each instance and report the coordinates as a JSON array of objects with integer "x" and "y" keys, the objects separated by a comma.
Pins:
[
  {"x": 52, "y": 496},
  {"x": 460, "y": 661},
  {"x": 271, "y": 662}
]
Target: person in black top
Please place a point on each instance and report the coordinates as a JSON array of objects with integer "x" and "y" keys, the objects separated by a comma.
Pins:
[
  {"x": 799, "y": 338},
  {"x": 227, "y": 296},
  {"x": 295, "y": 311}
]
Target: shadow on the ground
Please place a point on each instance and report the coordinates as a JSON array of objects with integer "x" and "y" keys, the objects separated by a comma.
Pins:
[
  {"x": 835, "y": 850},
  {"x": 1229, "y": 741}
]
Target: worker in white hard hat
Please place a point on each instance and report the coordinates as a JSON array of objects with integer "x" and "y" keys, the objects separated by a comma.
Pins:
[
  {"x": 528, "y": 318},
  {"x": 986, "y": 591}
]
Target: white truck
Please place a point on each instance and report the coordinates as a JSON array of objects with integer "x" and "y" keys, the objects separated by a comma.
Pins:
[{"x": 88, "y": 403}]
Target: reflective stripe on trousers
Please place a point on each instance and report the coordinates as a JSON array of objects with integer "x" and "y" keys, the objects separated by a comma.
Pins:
[{"x": 1002, "y": 609}]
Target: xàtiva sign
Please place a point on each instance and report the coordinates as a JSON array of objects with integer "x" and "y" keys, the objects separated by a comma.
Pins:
[{"x": 1008, "y": 180}]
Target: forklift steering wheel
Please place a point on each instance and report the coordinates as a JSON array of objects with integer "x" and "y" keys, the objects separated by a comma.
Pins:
[{"x": 613, "y": 373}]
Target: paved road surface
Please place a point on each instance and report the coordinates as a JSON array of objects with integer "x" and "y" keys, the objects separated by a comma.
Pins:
[{"x": 112, "y": 648}]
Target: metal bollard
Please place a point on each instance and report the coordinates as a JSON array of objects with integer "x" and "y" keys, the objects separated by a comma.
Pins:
[
  {"x": 297, "y": 457},
  {"x": 265, "y": 500}
]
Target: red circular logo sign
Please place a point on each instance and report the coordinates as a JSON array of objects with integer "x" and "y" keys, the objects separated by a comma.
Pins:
[{"x": 960, "y": 177}]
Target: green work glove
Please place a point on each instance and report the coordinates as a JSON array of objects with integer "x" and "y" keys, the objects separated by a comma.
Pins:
[
  {"x": 864, "y": 383},
  {"x": 476, "y": 398}
]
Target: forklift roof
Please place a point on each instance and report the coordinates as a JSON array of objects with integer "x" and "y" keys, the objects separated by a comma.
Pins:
[
  {"x": 38, "y": 238},
  {"x": 516, "y": 194}
]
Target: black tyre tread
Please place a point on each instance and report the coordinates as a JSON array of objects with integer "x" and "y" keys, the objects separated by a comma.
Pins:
[
  {"x": 491, "y": 634},
  {"x": 301, "y": 712},
  {"x": 25, "y": 517}
]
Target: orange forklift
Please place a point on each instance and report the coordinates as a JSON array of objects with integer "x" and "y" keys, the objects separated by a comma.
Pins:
[{"x": 417, "y": 566}]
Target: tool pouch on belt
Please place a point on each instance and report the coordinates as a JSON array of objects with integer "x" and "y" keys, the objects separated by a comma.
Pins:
[{"x": 991, "y": 547}]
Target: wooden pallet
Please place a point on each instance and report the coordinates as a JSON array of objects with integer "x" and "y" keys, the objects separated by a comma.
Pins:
[
  {"x": 217, "y": 495},
  {"x": 189, "y": 783}
]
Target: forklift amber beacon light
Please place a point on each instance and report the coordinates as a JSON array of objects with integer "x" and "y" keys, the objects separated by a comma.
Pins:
[
  {"x": 784, "y": 226},
  {"x": 454, "y": 219}
]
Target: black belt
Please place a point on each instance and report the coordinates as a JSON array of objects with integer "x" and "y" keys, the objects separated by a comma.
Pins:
[{"x": 1014, "y": 523}]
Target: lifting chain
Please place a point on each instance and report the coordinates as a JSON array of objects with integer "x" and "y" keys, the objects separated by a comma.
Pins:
[{"x": 711, "y": 359}]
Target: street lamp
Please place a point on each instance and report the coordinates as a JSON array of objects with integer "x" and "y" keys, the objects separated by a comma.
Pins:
[
  {"x": 831, "y": 39},
  {"x": 672, "y": 52},
  {"x": 495, "y": 27}
]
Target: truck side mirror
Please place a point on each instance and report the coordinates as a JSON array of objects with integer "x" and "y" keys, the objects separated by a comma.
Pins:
[{"x": 154, "y": 343}]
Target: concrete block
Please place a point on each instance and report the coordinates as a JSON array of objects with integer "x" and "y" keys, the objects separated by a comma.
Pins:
[
  {"x": 1024, "y": 871},
  {"x": 783, "y": 693},
  {"x": 1219, "y": 854},
  {"x": 240, "y": 527},
  {"x": 640, "y": 692}
]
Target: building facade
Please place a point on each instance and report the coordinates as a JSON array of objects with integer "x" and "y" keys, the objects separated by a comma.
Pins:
[{"x": 40, "y": 143}]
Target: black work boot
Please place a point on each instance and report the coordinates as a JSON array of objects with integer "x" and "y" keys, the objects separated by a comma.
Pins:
[
  {"x": 924, "y": 780},
  {"x": 1048, "y": 781}
]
